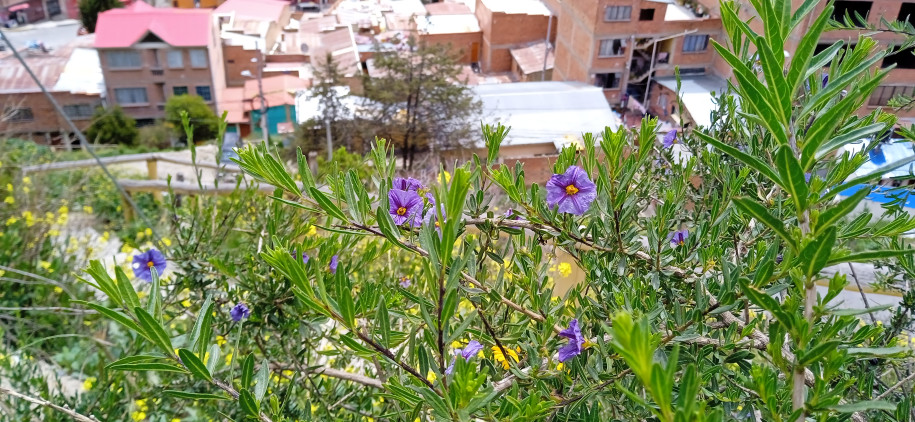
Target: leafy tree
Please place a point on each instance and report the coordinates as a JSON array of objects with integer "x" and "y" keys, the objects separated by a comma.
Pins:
[
  {"x": 90, "y": 9},
  {"x": 330, "y": 90},
  {"x": 419, "y": 99},
  {"x": 202, "y": 117},
  {"x": 112, "y": 126}
]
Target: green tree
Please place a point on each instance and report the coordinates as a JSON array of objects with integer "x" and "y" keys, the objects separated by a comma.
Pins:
[
  {"x": 330, "y": 90},
  {"x": 203, "y": 119},
  {"x": 112, "y": 126},
  {"x": 90, "y": 9},
  {"x": 418, "y": 94}
]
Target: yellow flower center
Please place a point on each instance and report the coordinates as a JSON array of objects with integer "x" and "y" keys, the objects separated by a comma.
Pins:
[
  {"x": 149, "y": 264},
  {"x": 401, "y": 211},
  {"x": 680, "y": 242},
  {"x": 571, "y": 190}
]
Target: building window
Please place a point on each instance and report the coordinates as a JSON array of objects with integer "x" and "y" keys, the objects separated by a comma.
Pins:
[
  {"x": 695, "y": 43},
  {"x": 179, "y": 90},
  {"x": 79, "y": 111},
  {"x": 131, "y": 95},
  {"x": 204, "y": 92},
  {"x": 883, "y": 94},
  {"x": 608, "y": 80},
  {"x": 612, "y": 48},
  {"x": 646, "y": 15},
  {"x": 903, "y": 59},
  {"x": 124, "y": 59},
  {"x": 198, "y": 58},
  {"x": 20, "y": 114},
  {"x": 853, "y": 9},
  {"x": 175, "y": 59},
  {"x": 907, "y": 12},
  {"x": 617, "y": 13}
]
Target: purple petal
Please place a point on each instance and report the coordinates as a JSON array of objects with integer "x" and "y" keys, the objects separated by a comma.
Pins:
[
  {"x": 569, "y": 351},
  {"x": 670, "y": 138},
  {"x": 239, "y": 312},
  {"x": 471, "y": 350},
  {"x": 333, "y": 264},
  {"x": 450, "y": 368},
  {"x": 144, "y": 262}
]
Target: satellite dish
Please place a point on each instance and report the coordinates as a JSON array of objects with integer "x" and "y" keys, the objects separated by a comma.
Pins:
[{"x": 303, "y": 47}]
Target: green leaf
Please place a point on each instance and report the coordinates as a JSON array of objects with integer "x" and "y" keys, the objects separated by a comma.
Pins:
[
  {"x": 864, "y": 405},
  {"x": 853, "y": 312},
  {"x": 194, "y": 396},
  {"x": 878, "y": 351},
  {"x": 851, "y": 136},
  {"x": 263, "y": 377},
  {"x": 154, "y": 331},
  {"x": 346, "y": 306},
  {"x": 249, "y": 405},
  {"x": 125, "y": 288},
  {"x": 153, "y": 304},
  {"x": 817, "y": 352},
  {"x": 757, "y": 211},
  {"x": 803, "y": 54},
  {"x": 247, "y": 371},
  {"x": 113, "y": 315},
  {"x": 147, "y": 366},
  {"x": 204, "y": 318},
  {"x": 388, "y": 228},
  {"x": 384, "y": 321},
  {"x": 134, "y": 359},
  {"x": 329, "y": 207},
  {"x": 869, "y": 256},
  {"x": 792, "y": 175},
  {"x": 867, "y": 178},
  {"x": 194, "y": 364},
  {"x": 749, "y": 160},
  {"x": 816, "y": 254},
  {"x": 294, "y": 204},
  {"x": 105, "y": 283},
  {"x": 829, "y": 217},
  {"x": 213, "y": 358}
]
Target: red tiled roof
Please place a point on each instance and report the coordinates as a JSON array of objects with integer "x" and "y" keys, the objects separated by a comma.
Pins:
[
  {"x": 270, "y": 10},
  {"x": 120, "y": 28}
]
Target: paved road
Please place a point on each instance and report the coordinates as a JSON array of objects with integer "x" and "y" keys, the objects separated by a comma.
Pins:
[{"x": 53, "y": 34}]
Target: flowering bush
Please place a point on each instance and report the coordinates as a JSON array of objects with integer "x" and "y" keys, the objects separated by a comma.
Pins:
[{"x": 402, "y": 299}]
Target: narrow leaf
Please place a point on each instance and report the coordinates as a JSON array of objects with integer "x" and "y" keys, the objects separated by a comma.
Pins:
[
  {"x": 757, "y": 211},
  {"x": 194, "y": 364}
]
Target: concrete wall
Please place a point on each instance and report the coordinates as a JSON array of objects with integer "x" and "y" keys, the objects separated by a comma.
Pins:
[{"x": 158, "y": 81}]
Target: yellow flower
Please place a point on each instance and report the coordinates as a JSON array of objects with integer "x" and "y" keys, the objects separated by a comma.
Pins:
[
  {"x": 142, "y": 404},
  {"x": 138, "y": 416},
  {"x": 27, "y": 180},
  {"x": 565, "y": 269},
  {"x": 148, "y": 231},
  {"x": 175, "y": 420},
  {"x": 58, "y": 290},
  {"x": 26, "y": 189},
  {"x": 54, "y": 232},
  {"x": 12, "y": 220},
  {"x": 45, "y": 265},
  {"x": 559, "y": 366},
  {"x": 62, "y": 219},
  {"x": 126, "y": 248},
  {"x": 87, "y": 209},
  {"x": 229, "y": 359},
  {"x": 431, "y": 376},
  {"x": 447, "y": 176},
  {"x": 220, "y": 340},
  {"x": 166, "y": 241},
  {"x": 497, "y": 355},
  {"x": 9, "y": 200},
  {"x": 29, "y": 218},
  {"x": 9, "y": 187},
  {"x": 88, "y": 383},
  {"x": 106, "y": 236},
  {"x": 186, "y": 303},
  {"x": 312, "y": 230}
]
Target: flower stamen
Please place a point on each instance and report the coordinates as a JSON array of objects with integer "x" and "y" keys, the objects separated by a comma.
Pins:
[
  {"x": 571, "y": 190},
  {"x": 401, "y": 211}
]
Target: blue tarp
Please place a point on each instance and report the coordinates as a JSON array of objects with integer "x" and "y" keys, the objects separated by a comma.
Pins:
[{"x": 881, "y": 194}]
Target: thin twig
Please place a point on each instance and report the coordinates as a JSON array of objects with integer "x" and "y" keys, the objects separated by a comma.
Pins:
[
  {"x": 42, "y": 402},
  {"x": 895, "y": 386}
]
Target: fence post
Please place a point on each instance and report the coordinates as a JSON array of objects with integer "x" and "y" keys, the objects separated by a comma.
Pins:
[
  {"x": 126, "y": 209},
  {"x": 152, "y": 170}
]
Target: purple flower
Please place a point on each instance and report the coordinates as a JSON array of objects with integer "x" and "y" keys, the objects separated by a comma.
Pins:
[
  {"x": 431, "y": 217},
  {"x": 825, "y": 80},
  {"x": 573, "y": 191},
  {"x": 670, "y": 138},
  {"x": 240, "y": 312},
  {"x": 333, "y": 264},
  {"x": 807, "y": 177},
  {"x": 144, "y": 262},
  {"x": 295, "y": 254},
  {"x": 405, "y": 282},
  {"x": 405, "y": 206},
  {"x": 510, "y": 214},
  {"x": 573, "y": 333},
  {"x": 408, "y": 184},
  {"x": 678, "y": 237},
  {"x": 467, "y": 352}
]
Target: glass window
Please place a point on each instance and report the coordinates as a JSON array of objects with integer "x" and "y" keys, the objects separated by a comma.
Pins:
[
  {"x": 608, "y": 80},
  {"x": 204, "y": 92},
  {"x": 78, "y": 111},
  {"x": 22, "y": 114},
  {"x": 123, "y": 59},
  {"x": 175, "y": 59},
  {"x": 612, "y": 48},
  {"x": 179, "y": 90},
  {"x": 695, "y": 43},
  {"x": 198, "y": 58},
  {"x": 131, "y": 95},
  {"x": 883, "y": 94},
  {"x": 617, "y": 13}
]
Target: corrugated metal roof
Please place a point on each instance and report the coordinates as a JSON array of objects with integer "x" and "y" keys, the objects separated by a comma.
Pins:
[
  {"x": 530, "y": 58},
  {"x": 59, "y": 65},
  {"x": 696, "y": 93}
]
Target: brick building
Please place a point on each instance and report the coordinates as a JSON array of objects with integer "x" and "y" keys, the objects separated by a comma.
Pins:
[
  {"x": 150, "y": 54},
  {"x": 508, "y": 24},
  {"x": 73, "y": 76}
]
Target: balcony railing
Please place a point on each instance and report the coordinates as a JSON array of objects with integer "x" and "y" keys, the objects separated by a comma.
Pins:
[{"x": 157, "y": 72}]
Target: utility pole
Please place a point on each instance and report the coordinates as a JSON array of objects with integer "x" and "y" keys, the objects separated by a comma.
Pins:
[
  {"x": 260, "y": 90},
  {"x": 330, "y": 143},
  {"x": 547, "y": 46}
]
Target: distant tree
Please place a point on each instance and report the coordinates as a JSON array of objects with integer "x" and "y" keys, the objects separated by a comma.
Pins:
[
  {"x": 89, "y": 10},
  {"x": 112, "y": 126},
  {"x": 330, "y": 90},
  {"x": 418, "y": 95},
  {"x": 202, "y": 117}
]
